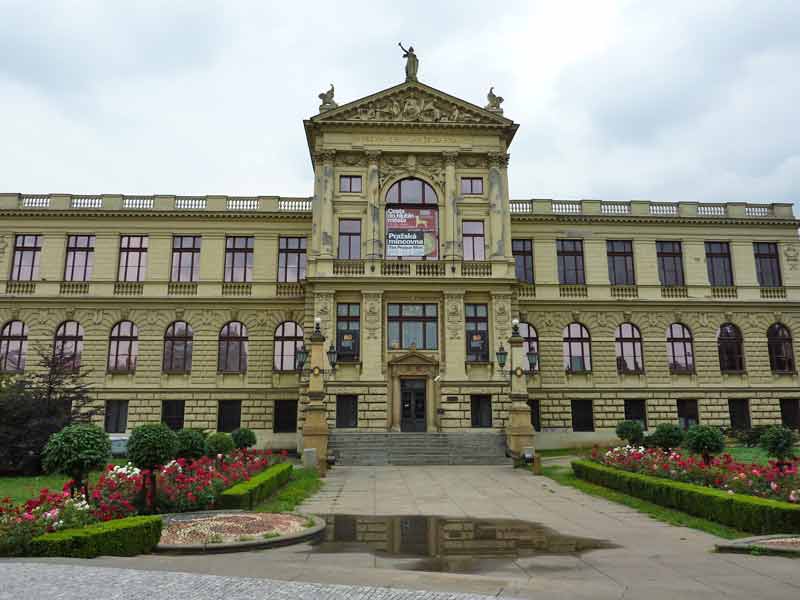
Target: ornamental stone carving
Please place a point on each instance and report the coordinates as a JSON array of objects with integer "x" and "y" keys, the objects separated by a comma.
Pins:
[
  {"x": 327, "y": 100},
  {"x": 498, "y": 159},
  {"x": 494, "y": 102},
  {"x": 372, "y": 315},
  {"x": 791, "y": 254},
  {"x": 454, "y": 315}
]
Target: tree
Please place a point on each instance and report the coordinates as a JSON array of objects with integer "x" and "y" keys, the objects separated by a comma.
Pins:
[
  {"x": 75, "y": 451},
  {"x": 219, "y": 443},
  {"x": 191, "y": 443},
  {"x": 243, "y": 438},
  {"x": 631, "y": 431},
  {"x": 778, "y": 441},
  {"x": 150, "y": 446},
  {"x": 705, "y": 440},
  {"x": 666, "y": 436}
]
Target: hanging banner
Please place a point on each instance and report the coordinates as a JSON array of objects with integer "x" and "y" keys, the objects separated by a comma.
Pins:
[{"x": 412, "y": 233}]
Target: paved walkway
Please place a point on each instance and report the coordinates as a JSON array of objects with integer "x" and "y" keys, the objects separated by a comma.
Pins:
[{"x": 650, "y": 559}]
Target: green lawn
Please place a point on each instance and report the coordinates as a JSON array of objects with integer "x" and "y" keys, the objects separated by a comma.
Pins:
[
  {"x": 303, "y": 484},
  {"x": 748, "y": 455},
  {"x": 20, "y": 489}
]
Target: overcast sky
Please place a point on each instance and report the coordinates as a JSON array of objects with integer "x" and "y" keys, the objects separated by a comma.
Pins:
[{"x": 651, "y": 100}]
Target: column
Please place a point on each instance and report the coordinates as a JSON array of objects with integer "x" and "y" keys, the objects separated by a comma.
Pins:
[
  {"x": 326, "y": 205},
  {"x": 519, "y": 431},
  {"x": 374, "y": 235},
  {"x": 499, "y": 209},
  {"x": 448, "y": 216}
]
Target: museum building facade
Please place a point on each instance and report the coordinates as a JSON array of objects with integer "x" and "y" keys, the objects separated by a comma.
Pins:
[{"x": 416, "y": 264}]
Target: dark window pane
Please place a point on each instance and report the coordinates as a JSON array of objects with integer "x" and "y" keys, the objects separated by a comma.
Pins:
[
  {"x": 767, "y": 264},
  {"x": 291, "y": 259},
  {"x": 346, "y": 411},
  {"x": 570, "y": 262},
  {"x": 536, "y": 415},
  {"x": 523, "y": 259},
  {"x": 790, "y": 413},
  {"x": 718, "y": 262},
  {"x": 739, "y": 410},
  {"x": 229, "y": 415},
  {"x": 582, "y": 416},
  {"x": 116, "y": 417},
  {"x": 688, "y": 413},
  {"x": 636, "y": 410},
  {"x": 172, "y": 413},
  {"x": 285, "y": 420}
]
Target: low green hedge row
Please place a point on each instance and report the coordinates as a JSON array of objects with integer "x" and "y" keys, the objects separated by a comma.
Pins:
[
  {"x": 248, "y": 494},
  {"x": 746, "y": 513},
  {"x": 121, "y": 537}
]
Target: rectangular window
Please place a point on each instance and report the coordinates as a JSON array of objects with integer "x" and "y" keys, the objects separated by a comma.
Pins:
[
  {"x": 620, "y": 262},
  {"x": 523, "y": 259},
  {"x": 349, "y": 239},
  {"x": 132, "y": 258},
  {"x": 412, "y": 325},
  {"x": 536, "y": 414},
  {"x": 790, "y": 413},
  {"x": 474, "y": 242},
  {"x": 116, "y": 416},
  {"x": 346, "y": 411},
  {"x": 768, "y": 265},
  {"x": 348, "y": 329},
  {"x": 688, "y": 413},
  {"x": 285, "y": 420},
  {"x": 670, "y": 264},
  {"x": 239, "y": 259},
  {"x": 229, "y": 415},
  {"x": 350, "y": 184},
  {"x": 718, "y": 262},
  {"x": 570, "y": 262},
  {"x": 476, "y": 318},
  {"x": 172, "y": 413},
  {"x": 481, "y": 405},
  {"x": 27, "y": 249},
  {"x": 582, "y": 417},
  {"x": 291, "y": 259},
  {"x": 636, "y": 410},
  {"x": 186, "y": 258},
  {"x": 80, "y": 258},
  {"x": 739, "y": 411},
  {"x": 471, "y": 186}
]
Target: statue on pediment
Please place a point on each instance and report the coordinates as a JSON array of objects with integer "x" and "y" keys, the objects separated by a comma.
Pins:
[
  {"x": 327, "y": 100},
  {"x": 412, "y": 62},
  {"x": 494, "y": 101}
]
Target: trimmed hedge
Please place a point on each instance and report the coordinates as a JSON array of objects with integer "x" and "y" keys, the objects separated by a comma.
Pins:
[
  {"x": 746, "y": 513},
  {"x": 249, "y": 493},
  {"x": 122, "y": 537}
]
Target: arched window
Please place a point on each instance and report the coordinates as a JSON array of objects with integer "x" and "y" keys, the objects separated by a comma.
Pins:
[
  {"x": 232, "y": 348},
  {"x": 123, "y": 348},
  {"x": 781, "y": 353},
  {"x": 412, "y": 221},
  {"x": 628, "y": 344},
  {"x": 729, "y": 345},
  {"x": 680, "y": 351},
  {"x": 531, "y": 344},
  {"x": 288, "y": 339},
  {"x": 68, "y": 344},
  {"x": 178, "y": 348},
  {"x": 577, "y": 349},
  {"x": 13, "y": 347}
]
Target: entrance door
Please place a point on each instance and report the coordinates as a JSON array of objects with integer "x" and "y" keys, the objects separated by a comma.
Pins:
[{"x": 412, "y": 397}]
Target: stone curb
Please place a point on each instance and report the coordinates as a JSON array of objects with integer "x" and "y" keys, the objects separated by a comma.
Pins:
[
  {"x": 263, "y": 544},
  {"x": 753, "y": 544}
]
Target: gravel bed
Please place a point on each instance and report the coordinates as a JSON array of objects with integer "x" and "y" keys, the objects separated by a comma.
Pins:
[{"x": 234, "y": 527}]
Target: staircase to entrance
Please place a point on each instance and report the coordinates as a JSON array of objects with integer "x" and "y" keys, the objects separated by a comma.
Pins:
[{"x": 418, "y": 448}]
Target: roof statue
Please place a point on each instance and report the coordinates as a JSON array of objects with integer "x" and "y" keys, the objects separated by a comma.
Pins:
[
  {"x": 327, "y": 100},
  {"x": 494, "y": 101},
  {"x": 412, "y": 62}
]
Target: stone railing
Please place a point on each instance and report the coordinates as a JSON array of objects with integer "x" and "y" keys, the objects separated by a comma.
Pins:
[
  {"x": 242, "y": 204},
  {"x": 348, "y": 268},
  {"x": 35, "y": 202},
  {"x": 128, "y": 288},
  {"x": 73, "y": 288},
  {"x": 476, "y": 269},
  {"x": 774, "y": 293},
  {"x": 294, "y": 204},
  {"x": 519, "y": 208},
  {"x": 674, "y": 291},
  {"x": 295, "y": 289},
  {"x": 182, "y": 288},
  {"x": 230, "y": 288},
  {"x": 724, "y": 292},
  {"x": 624, "y": 291},
  {"x": 20, "y": 288},
  {"x": 137, "y": 202},
  {"x": 573, "y": 291},
  {"x": 191, "y": 203},
  {"x": 87, "y": 202}
]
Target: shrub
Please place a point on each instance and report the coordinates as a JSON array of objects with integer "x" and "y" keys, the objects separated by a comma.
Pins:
[
  {"x": 219, "y": 443},
  {"x": 746, "y": 513},
  {"x": 705, "y": 440},
  {"x": 191, "y": 443},
  {"x": 150, "y": 446},
  {"x": 123, "y": 537},
  {"x": 76, "y": 450},
  {"x": 749, "y": 437},
  {"x": 243, "y": 438},
  {"x": 778, "y": 441},
  {"x": 666, "y": 436},
  {"x": 631, "y": 431},
  {"x": 249, "y": 493}
]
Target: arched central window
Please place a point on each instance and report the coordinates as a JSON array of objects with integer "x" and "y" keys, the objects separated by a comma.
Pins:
[
  {"x": 232, "y": 348},
  {"x": 288, "y": 340},
  {"x": 13, "y": 347},
  {"x": 68, "y": 345},
  {"x": 531, "y": 344},
  {"x": 680, "y": 351},
  {"x": 123, "y": 348},
  {"x": 781, "y": 353},
  {"x": 628, "y": 343},
  {"x": 178, "y": 348},
  {"x": 412, "y": 221},
  {"x": 577, "y": 349},
  {"x": 731, "y": 353}
]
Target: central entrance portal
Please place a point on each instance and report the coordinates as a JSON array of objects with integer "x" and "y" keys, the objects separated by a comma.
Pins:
[{"x": 412, "y": 397}]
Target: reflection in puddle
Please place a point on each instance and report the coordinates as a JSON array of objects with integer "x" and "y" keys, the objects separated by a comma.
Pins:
[{"x": 454, "y": 544}]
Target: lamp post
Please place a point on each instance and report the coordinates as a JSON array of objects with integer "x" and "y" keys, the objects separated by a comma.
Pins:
[
  {"x": 315, "y": 428},
  {"x": 519, "y": 430}
]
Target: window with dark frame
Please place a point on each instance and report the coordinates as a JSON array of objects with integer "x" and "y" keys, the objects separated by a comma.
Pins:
[
  {"x": 530, "y": 344},
  {"x": 172, "y": 412},
  {"x": 285, "y": 420},
  {"x": 739, "y": 411},
  {"x": 178, "y": 341},
  {"x": 123, "y": 348},
  {"x": 349, "y": 184},
  {"x": 348, "y": 331},
  {"x": 474, "y": 240},
  {"x": 346, "y": 411},
  {"x": 229, "y": 415},
  {"x": 116, "y": 416},
  {"x": 570, "y": 262},
  {"x": 80, "y": 258},
  {"x": 577, "y": 349},
  {"x": 239, "y": 259},
  {"x": 186, "y": 258},
  {"x": 291, "y": 259},
  {"x": 13, "y": 347},
  {"x": 688, "y": 413},
  {"x": 471, "y": 186},
  {"x": 636, "y": 410},
  {"x": 670, "y": 264},
  {"x": 718, "y": 263},
  {"x": 412, "y": 324},
  {"x": 781, "y": 350},
  {"x": 536, "y": 414},
  {"x": 768, "y": 265},
  {"x": 582, "y": 415},
  {"x": 730, "y": 348},
  {"x": 523, "y": 259},
  {"x": 349, "y": 239},
  {"x": 628, "y": 346},
  {"x": 620, "y": 262},
  {"x": 68, "y": 345},
  {"x": 27, "y": 252},
  {"x": 411, "y": 191},
  {"x": 481, "y": 410},
  {"x": 132, "y": 258},
  {"x": 680, "y": 348},
  {"x": 233, "y": 343},
  {"x": 476, "y": 319},
  {"x": 790, "y": 413},
  {"x": 288, "y": 340}
]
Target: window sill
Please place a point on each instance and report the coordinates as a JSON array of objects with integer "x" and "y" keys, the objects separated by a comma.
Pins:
[
  {"x": 569, "y": 372},
  {"x": 682, "y": 372},
  {"x": 231, "y": 373},
  {"x": 120, "y": 373},
  {"x": 784, "y": 373},
  {"x": 176, "y": 373},
  {"x": 478, "y": 362},
  {"x": 623, "y": 373}
]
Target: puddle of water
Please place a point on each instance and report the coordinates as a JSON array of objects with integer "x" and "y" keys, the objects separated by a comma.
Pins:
[{"x": 452, "y": 544}]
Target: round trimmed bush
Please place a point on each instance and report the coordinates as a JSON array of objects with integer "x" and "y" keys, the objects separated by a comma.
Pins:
[
  {"x": 778, "y": 441},
  {"x": 219, "y": 443},
  {"x": 191, "y": 443},
  {"x": 152, "y": 445},
  {"x": 243, "y": 438},
  {"x": 666, "y": 436},
  {"x": 76, "y": 450},
  {"x": 705, "y": 440},
  {"x": 631, "y": 431}
]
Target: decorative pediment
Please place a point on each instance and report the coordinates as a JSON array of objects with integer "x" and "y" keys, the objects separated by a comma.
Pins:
[{"x": 413, "y": 358}]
